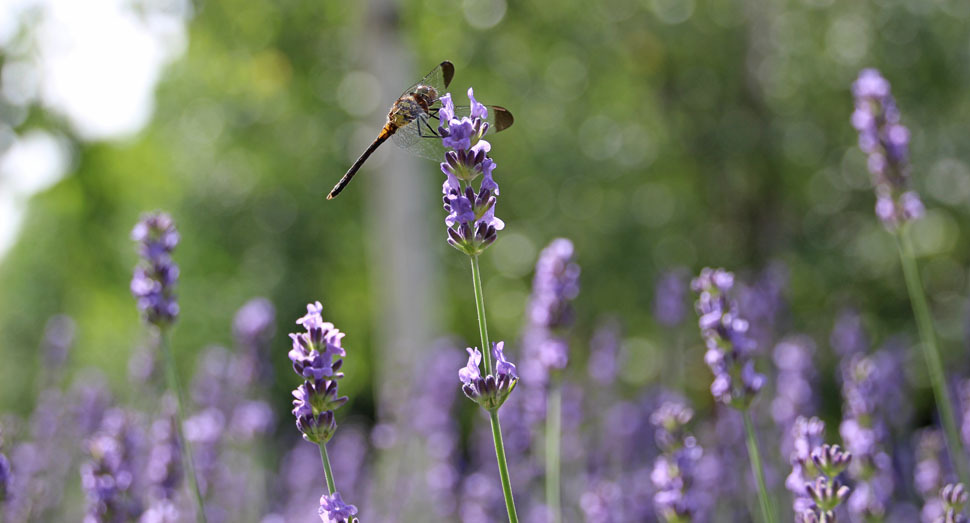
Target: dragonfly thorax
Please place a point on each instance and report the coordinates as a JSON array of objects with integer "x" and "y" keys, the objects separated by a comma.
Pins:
[{"x": 412, "y": 105}]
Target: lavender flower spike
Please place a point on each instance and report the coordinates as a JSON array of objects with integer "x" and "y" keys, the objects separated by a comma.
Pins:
[
  {"x": 334, "y": 510},
  {"x": 155, "y": 276},
  {"x": 729, "y": 348},
  {"x": 488, "y": 391},
  {"x": 471, "y": 221},
  {"x": 954, "y": 498},
  {"x": 677, "y": 499},
  {"x": 827, "y": 492},
  {"x": 886, "y": 142},
  {"x": 313, "y": 355}
]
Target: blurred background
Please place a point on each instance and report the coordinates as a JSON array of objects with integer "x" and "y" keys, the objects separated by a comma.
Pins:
[{"x": 658, "y": 135}]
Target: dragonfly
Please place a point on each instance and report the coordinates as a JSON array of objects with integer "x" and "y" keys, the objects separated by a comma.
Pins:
[{"x": 412, "y": 122}]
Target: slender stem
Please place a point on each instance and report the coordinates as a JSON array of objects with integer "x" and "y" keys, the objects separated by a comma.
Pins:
[
  {"x": 325, "y": 458},
  {"x": 553, "y": 431},
  {"x": 176, "y": 388},
  {"x": 480, "y": 304},
  {"x": 503, "y": 467},
  {"x": 755, "y": 456},
  {"x": 931, "y": 352}
]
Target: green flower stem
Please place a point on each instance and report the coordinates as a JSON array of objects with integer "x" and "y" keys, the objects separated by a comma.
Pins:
[
  {"x": 480, "y": 304},
  {"x": 553, "y": 431},
  {"x": 176, "y": 388},
  {"x": 325, "y": 458},
  {"x": 503, "y": 467},
  {"x": 767, "y": 513},
  {"x": 931, "y": 351}
]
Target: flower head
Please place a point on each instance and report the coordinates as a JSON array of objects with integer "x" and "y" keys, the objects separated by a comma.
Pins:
[
  {"x": 155, "y": 276},
  {"x": 489, "y": 391},
  {"x": 471, "y": 221},
  {"x": 886, "y": 143},
  {"x": 674, "y": 471},
  {"x": 725, "y": 332},
  {"x": 334, "y": 510}
]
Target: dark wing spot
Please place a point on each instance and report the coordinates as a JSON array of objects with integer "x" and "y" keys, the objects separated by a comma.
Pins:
[
  {"x": 447, "y": 72},
  {"x": 503, "y": 118}
]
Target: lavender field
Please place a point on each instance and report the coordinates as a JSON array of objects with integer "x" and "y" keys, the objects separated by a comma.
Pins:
[{"x": 715, "y": 269}]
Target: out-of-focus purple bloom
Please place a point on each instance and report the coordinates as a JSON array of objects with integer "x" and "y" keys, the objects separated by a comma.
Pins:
[
  {"x": 763, "y": 302},
  {"x": 334, "y": 510},
  {"x": 489, "y": 391},
  {"x": 472, "y": 224},
  {"x": 864, "y": 432},
  {"x": 58, "y": 340},
  {"x": 604, "y": 351},
  {"x": 806, "y": 434},
  {"x": 886, "y": 143},
  {"x": 931, "y": 473},
  {"x": 109, "y": 478},
  {"x": 954, "y": 497},
  {"x": 554, "y": 286},
  {"x": 848, "y": 336},
  {"x": 794, "y": 397},
  {"x": 601, "y": 502},
  {"x": 725, "y": 332},
  {"x": 255, "y": 322},
  {"x": 670, "y": 297},
  {"x": 674, "y": 470},
  {"x": 965, "y": 403},
  {"x": 5, "y": 477},
  {"x": 164, "y": 472},
  {"x": 153, "y": 284}
]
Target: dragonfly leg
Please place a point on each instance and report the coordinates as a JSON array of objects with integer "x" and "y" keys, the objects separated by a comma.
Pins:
[{"x": 426, "y": 125}]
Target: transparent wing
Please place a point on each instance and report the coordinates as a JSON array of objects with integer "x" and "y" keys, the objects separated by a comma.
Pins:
[
  {"x": 420, "y": 137},
  {"x": 439, "y": 78}
]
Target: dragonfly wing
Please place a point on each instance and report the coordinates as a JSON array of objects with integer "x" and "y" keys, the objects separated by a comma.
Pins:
[
  {"x": 420, "y": 137},
  {"x": 498, "y": 117},
  {"x": 439, "y": 78}
]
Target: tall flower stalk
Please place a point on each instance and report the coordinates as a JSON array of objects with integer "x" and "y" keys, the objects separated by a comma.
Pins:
[
  {"x": 153, "y": 286},
  {"x": 885, "y": 141},
  {"x": 315, "y": 356},
  {"x": 554, "y": 286},
  {"x": 472, "y": 227},
  {"x": 729, "y": 356}
]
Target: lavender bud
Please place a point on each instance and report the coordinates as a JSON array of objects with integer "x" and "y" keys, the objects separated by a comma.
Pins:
[
  {"x": 155, "y": 276},
  {"x": 488, "y": 391}
]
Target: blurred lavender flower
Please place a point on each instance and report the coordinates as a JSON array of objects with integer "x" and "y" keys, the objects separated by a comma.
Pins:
[
  {"x": 554, "y": 286},
  {"x": 794, "y": 397},
  {"x": 807, "y": 435},
  {"x": 253, "y": 328},
  {"x": 604, "y": 351},
  {"x": 931, "y": 473},
  {"x": 965, "y": 403},
  {"x": 155, "y": 276},
  {"x": 471, "y": 221},
  {"x": 763, "y": 303},
  {"x": 110, "y": 477},
  {"x": 954, "y": 498},
  {"x": 729, "y": 348},
  {"x": 601, "y": 503},
  {"x": 848, "y": 336},
  {"x": 58, "y": 339},
  {"x": 5, "y": 475},
  {"x": 674, "y": 470},
  {"x": 334, "y": 510},
  {"x": 164, "y": 470},
  {"x": 886, "y": 142},
  {"x": 864, "y": 433},
  {"x": 489, "y": 391},
  {"x": 670, "y": 297}
]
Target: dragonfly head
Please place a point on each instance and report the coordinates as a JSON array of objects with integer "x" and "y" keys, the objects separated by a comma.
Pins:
[{"x": 426, "y": 95}]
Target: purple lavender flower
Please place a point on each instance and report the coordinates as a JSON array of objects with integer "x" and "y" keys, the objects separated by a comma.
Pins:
[
  {"x": 794, "y": 396},
  {"x": 109, "y": 478},
  {"x": 954, "y": 498},
  {"x": 864, "y": 432},
  {"x": 807, "y": 435},
  {"x": 554, "y": 286},
  {"x": 472, "y": 224},
  {"x": 674, "y": 470},
  {"x": 164, "y": 470},
  {"x": 489, "y": 391},
  {"x": 314, "y": 350},
  {"x": 827, "y": 492},
  {"x": 725, "y": 332},
  {"x": 886, "y": 142},
  {"x": 155, "y": 276},
  {"x": 5, "y": 477},
  {"x": 670, "y": 297},
  {"x": 604, "y": 351},
  {"x": 58, "y": 339},
  {"x": 334, "y": 510},
  {"x": 931, "y": 473},
  {"x": 848, "y": 336}
]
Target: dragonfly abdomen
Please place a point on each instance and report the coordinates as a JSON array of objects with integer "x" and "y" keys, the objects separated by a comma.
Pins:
[{"x": 386, "y": 132}]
